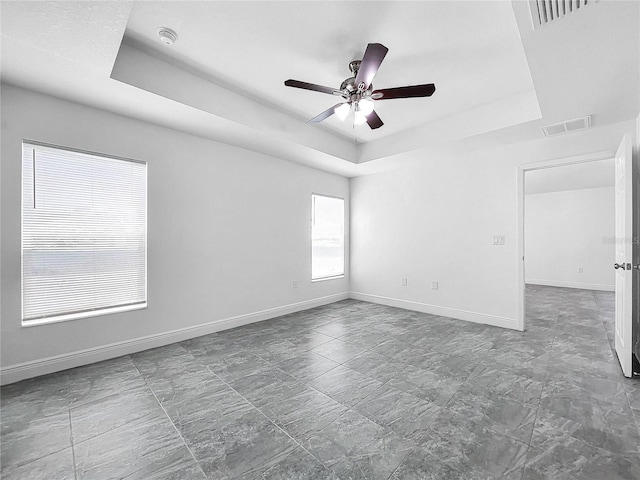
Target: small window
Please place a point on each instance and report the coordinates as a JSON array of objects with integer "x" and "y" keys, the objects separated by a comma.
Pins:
[
  {"x": 327, "y": 237},
  {"x": 84, "y": 234}
]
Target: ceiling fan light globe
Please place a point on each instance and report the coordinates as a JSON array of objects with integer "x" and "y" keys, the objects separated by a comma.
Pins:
[
  {"x": 342, "y": 111},
  {"x": 366, "y": 106},
  {"x": 359, "y": 117}
]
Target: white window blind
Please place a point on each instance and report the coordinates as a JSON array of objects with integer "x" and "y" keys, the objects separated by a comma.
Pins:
[
  {"x": 84, "y": 234},
  {"x": 327, "y": 237}
]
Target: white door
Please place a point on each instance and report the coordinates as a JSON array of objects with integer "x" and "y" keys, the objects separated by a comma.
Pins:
[{"x": 624, "y": 245}]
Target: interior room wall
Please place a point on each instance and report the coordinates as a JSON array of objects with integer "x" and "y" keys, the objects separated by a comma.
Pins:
[
  {"x": 567, "y": 231},
  {"x": 228, "y": 233},
  {"x": 434, "y": 220}
]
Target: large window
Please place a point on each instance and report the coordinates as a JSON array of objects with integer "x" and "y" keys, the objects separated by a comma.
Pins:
[
  {"x": 84, "y": 234},
  {"x": 327, "y": 237}
]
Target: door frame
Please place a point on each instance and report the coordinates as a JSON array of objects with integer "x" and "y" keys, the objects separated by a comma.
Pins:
[{"x": 521, "y": 170}]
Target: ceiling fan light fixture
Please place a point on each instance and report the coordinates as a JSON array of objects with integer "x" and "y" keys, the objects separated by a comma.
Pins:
[
  {"x": 359, "y": 116},
  {"x": 366, "y": 106},
  {"x": 342, "y": 111}
]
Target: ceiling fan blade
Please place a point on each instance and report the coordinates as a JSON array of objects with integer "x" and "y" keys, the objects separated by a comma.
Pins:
[
  {"x": 373, "y": 56},
  {"x": 425, "y": 90},
  {"x": 324, "y": 115},
  {"x": 374, "y": 120},
  {"x": 312, "y": 86}
]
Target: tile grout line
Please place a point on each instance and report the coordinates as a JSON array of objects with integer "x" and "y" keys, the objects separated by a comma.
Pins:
[
  {"x": 73, "y": 443},
  {"x": 299, "y": 445},
  {"x": 535, "y": 419},
  {"x": 184, "y": 442},
  {"x": 543, "y": 381}
]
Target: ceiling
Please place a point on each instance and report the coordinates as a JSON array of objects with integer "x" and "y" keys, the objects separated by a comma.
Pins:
[
  {"x": 470, "y": 50},
  {"x": 578, "y": 176},
  {"x": 223, "y": 78}
]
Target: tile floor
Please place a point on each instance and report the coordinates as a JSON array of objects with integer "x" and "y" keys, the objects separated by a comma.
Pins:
[{"x": 351, "y": 390}]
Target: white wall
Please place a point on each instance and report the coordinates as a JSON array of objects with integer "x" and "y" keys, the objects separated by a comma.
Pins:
[
  {"x": 434, "y": 220},
  {"x": 228, "y": 231},
  {"x": 568, "y": 230}
]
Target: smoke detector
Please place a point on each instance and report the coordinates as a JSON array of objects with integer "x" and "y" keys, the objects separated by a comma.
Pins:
[{"x": 167, "y": 36}]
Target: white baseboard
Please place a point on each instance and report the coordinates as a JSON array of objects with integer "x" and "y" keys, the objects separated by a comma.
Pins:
[
  {"x": 475, "y": 317},
  {"x": 583, "y": 286},
  {"x": 21, "y": 371}
]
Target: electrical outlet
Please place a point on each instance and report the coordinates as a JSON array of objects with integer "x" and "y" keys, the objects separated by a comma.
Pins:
[
  {"x": 434, "y": 285},
  {"x": 580, "y": 270},
  {"x": 295, "y": 284},
  {"x": 404, "y": 282}
]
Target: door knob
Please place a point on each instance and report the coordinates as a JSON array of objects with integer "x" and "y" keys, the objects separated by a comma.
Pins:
[
  {"x": 618, "y": 265},
  {"x": 636, "y": 267}
]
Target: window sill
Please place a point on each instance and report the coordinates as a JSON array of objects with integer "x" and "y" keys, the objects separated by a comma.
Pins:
[
  {"x": 76, "y": 316},
  {"x": 324, "y": 279}
]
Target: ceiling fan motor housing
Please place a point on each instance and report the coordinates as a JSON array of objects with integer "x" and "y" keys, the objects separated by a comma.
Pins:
[{"x": 349, "y": 85}]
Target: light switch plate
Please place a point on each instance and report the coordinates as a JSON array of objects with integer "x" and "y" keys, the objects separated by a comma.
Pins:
[{"x": 498, "y": 239}]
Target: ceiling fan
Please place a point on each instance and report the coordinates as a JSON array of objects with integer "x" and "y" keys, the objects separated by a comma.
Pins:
[{"x": 358, "y": 90}]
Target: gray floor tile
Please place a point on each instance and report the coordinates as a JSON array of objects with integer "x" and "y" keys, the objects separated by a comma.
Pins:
[
  {"x": 106, "y": 413},
  {"x": 632, "y": 387},
  {"x": 365, "y": 337},
  {"x": 34, "y": 398},
  {"x": 90, "y": 383},
  {"x": 307, "y": 366},
  {"x": 458, "y": 367},
  {"x": 268, "y": 386},
  {"x": 356, "y": 448},
  {"x": 609, "y": 417},
  {"x": 464, "y": 343},
  {"x": 235, "y": 366},
  {"x": 471, "y": 449},
  {"x": 552, "y": 428},
  {"x": 584, "y": 386},
  {"x": 236, "y": 445},
  {"x": 426, "y": 384},
  {"x": 304, "y": 414},
  {"x": 215, "y": 404},
  {"x": 403, "y": 413},
  {"x": 177, "y": 376},
  {"x": 338, "y": 350},
  {"x": 345, "y": 385},
  {"x": 569, "y": 458},
  {"x": 504, "y": 382},
  {"x": 31, "y": 440},
  {"x": 300, "y": 465},
  {"x": 140, "y": 450},
  {"x": 494, "y": 411},
  {"x": 58, "y": 466},
  {"x": 376, "y": 366},
  {"x": 338, "y": 329}
]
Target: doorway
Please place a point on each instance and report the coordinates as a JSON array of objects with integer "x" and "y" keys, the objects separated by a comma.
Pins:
[
  {"x": 543, "y": 170},
  {"x": 624, "y": 230}
]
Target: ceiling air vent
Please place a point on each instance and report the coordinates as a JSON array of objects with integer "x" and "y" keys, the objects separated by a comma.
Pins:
[
  {"x": 546, "y": 11},
  {"x": 569, "y": 126}
]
